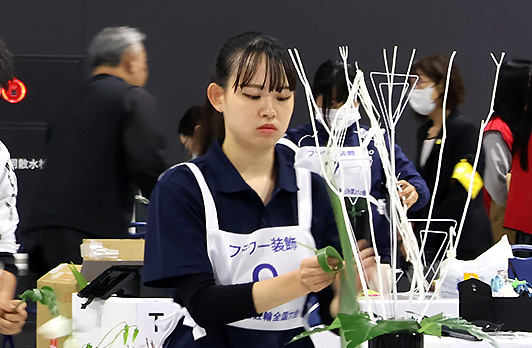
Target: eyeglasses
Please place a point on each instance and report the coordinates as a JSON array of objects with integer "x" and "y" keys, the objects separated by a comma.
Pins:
[
  {"x": 423, "y": 84},
  {"x": 184, "y": 145}
]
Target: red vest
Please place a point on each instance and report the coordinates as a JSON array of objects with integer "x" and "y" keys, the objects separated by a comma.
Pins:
[
  {"x": 496, "y": 124},
  {"x": 519, "y": 205}
]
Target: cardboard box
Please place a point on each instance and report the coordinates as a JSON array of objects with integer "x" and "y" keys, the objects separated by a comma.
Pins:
[
  {"x": 128, "y": 249},
  {"x": 120, "y": 252},
  {"x": 64, "y": 284}
]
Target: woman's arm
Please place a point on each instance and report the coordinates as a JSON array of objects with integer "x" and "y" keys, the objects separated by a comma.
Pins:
[
  {"x": 498, "y": 161},
  {"x": 214, "y": 305}
]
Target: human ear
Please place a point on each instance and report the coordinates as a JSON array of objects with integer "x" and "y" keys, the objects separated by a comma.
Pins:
[
  {"x": 128, "y": 62},
  {"x": 196, "y": 129},
  {"x": 215, "y": 93}
]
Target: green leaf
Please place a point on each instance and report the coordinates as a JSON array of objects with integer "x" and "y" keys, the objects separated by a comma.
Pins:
[
  {"x": 335, "y": 325},
  {"x": 348, "y": 278},
  {"x": 329, "y": 252},
  {"x": 135, "y": 334},
  {"x": 33, "y": 295},
  {"x": 431, "y": 325},
  {"x": 358, "y": 327},
  {"x": 126, "y": 333},
  {"x": 46, "y": 296},
  {"x": 80, "y": 279},
  {"x": 462, "y": 324}
]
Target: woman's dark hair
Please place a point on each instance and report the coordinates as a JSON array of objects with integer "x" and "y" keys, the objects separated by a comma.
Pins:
[
  {"x": 6, "y": 65},
  {"x": 511, "y": 95},
  {"x": 190, "y": 120},
  {"x": 330, "y": 83},
  {"x": 514, "y": 102},
  {"x": 242, "y": 55},
  {"x": 435, "y": 68}
]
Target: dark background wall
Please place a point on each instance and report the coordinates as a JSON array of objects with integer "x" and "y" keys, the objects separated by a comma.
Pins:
[
  {"x": 184, "y": 36},
  {"x": 49, "y": 39}
]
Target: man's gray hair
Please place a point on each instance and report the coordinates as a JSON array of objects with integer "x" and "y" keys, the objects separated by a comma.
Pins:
[{"x": 110, "y": 44}]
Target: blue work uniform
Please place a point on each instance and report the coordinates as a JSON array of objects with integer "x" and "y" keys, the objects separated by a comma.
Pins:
[
  {"x": 177, "y": 243},
  {"x": 404, "y": 168}
]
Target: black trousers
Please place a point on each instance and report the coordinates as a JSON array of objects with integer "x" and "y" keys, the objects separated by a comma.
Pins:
[{"x": 50, "y": 246}]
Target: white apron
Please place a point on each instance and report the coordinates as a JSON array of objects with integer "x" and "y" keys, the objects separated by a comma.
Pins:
[
  {"x": 353, "y": 161},
  {"x": 263, "y": 254}
]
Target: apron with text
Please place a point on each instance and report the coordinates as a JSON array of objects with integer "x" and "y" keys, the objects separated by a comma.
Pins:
[{"x": 265, "y": 253}]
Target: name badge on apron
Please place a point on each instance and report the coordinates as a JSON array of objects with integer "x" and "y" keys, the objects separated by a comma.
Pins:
[{"x": 354, "y": 162}]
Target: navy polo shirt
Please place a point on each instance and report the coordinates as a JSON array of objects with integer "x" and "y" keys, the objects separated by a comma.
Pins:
[{"x": 176, "y": 233}]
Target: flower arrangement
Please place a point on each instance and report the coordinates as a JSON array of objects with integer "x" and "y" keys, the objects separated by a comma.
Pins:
[{"x": 356, "y": 327}]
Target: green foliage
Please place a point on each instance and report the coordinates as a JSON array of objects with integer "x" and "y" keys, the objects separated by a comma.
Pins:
[
  {"x": 432, "y": 326},
  {"x": 46, "y": 296},
  {"x": 358, "y": 328},
  {"x": 80, "y": 279}
]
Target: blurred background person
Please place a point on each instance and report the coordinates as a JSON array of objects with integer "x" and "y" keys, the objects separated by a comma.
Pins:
[
  {"x": 510, "y": 101},
  {"x": 460, "y": 148},
  {"x": 519, "y": 200},
  {"x": 189, "y": 130},
  {"x": 12, "y": 318},
  {"x": 103, "y": 144},
  {"x": 330, "y": 93}
]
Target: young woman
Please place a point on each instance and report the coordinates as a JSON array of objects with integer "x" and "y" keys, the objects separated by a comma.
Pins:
[
  {"x": 510, "y": 101},
  {"x": 189, "y": 130},
  {"x": 227, "y": 230},
  {"x": 519, "y": 200},
  {"x": 427, "y": 100},
  {"x": 330, "y": 92}
]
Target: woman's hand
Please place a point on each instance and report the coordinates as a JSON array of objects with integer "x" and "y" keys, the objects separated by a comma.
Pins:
[
  {"x": 407, "y": 193},
  {"x": 12, "y": 318},
  {"x": 313, "y": 277},
  {"x": 367, "y": 257}
]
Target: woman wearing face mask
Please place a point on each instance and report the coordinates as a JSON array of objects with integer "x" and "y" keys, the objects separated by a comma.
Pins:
[
  {"x": 330, "y": 93},
  {"x": 458, "y": 156}
]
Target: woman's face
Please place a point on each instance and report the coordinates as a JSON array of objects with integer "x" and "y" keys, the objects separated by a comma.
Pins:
[{"x": 254, "y": 116}]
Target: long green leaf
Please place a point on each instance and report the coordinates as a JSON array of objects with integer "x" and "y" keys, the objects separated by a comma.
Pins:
[
  {"x": 348, "y": 290},
  {"x": 335, "y": 325},
  {"x": 80, "y": 279}
]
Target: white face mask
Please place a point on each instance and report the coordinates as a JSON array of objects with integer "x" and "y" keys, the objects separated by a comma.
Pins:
[
  {"x": 342, "y": 118},
  {"x": 421, "y": 100}
]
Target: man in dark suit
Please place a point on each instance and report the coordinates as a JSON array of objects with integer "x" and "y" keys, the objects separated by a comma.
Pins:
[{"x": 102, "y": 145}]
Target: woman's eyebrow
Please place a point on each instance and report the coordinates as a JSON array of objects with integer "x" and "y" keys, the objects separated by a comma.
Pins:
[{"x": 261, "y": 86}]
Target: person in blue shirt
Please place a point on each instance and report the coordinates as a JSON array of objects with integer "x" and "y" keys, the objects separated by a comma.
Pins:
[
  {"x": 228, "y": 229},
  {"x": 330, "y": 93}
]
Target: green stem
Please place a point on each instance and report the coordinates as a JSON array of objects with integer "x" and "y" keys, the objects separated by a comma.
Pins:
[
  {"x": 348, "y": 288},
  {"x": 108, "y": 332}
]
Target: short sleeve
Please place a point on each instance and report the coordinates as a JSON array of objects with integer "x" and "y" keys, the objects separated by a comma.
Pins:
[{"x": 175, "y": 234}]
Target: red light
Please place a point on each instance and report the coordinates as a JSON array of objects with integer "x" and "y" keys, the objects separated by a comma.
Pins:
[{"x": 16, "y": 91}]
